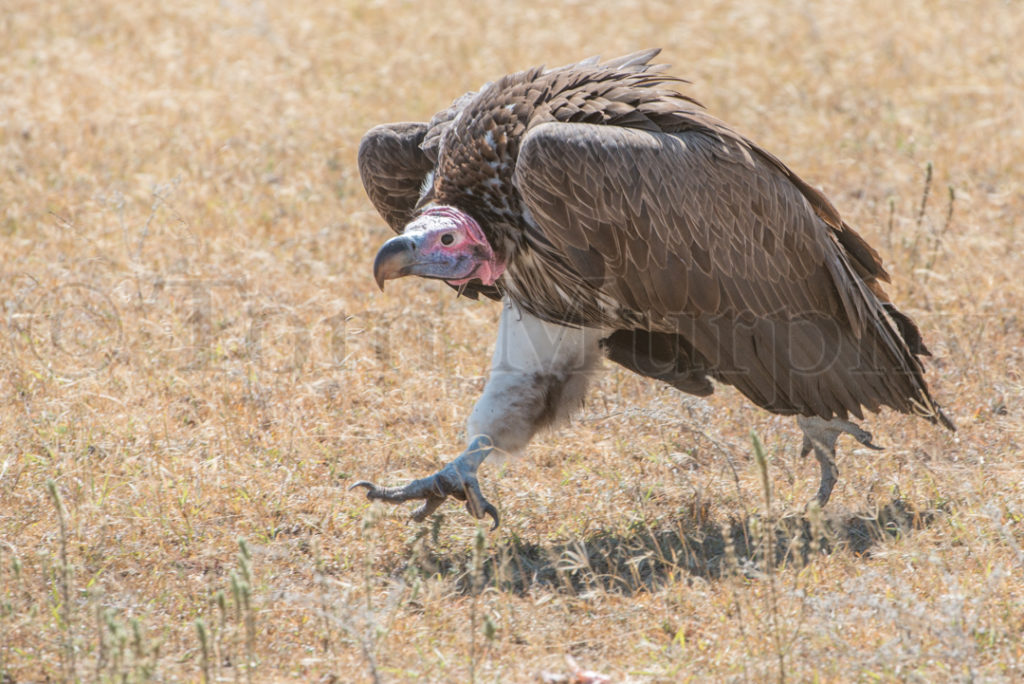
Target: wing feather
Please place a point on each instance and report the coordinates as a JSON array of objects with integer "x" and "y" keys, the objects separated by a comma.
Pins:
[
  {"x": 660, "y": 217},
  {"x": 705, "y": 236},
  {"x": 393, "y": 168}
]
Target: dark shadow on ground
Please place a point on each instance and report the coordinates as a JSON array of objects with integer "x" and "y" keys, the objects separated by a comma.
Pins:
[{"x": 647, "y": 555}]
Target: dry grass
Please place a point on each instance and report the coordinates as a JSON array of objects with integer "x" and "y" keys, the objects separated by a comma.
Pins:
[{"x": 194, "y": 353}]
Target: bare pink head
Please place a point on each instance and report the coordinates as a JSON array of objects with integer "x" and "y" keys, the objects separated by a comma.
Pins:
[{"x": 442, "y": 242}]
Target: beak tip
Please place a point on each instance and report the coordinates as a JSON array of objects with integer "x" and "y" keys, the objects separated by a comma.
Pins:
[{"x": 392, "y": 259}]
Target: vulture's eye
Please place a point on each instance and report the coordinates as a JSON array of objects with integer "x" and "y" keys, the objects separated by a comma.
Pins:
[{"x": 447, "y": 239}]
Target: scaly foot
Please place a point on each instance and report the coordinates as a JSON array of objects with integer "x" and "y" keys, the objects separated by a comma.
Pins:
[{"x": 457, "y": 479}]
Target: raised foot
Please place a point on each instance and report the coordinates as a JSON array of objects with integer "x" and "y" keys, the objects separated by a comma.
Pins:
[
  {"x": 457, "y": 479},
  {"x": 820, "y": 435}
]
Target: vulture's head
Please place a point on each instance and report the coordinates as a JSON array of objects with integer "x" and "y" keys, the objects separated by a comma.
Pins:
[{"x": 442, "y": 242}]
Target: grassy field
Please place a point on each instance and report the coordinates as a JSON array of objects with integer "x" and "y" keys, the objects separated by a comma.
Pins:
[{"x": 196, "y": 362}]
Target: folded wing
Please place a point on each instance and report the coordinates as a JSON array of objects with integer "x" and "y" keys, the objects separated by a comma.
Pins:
[{"x": 702, "y": 235}]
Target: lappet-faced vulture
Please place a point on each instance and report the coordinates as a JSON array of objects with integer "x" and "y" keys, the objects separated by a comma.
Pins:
[{"x": 614, "y": 218}]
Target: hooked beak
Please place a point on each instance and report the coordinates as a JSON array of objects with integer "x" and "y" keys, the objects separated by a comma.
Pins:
[{"x": 394, "y": 260}]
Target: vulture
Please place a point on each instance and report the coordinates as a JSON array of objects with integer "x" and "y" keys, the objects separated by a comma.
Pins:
[{"x": 614, "y": 218}]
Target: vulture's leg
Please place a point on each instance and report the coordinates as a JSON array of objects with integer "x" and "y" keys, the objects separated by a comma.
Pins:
[
  {"x": 821, "y": 435},
  {"x": 539, "y": 374}
]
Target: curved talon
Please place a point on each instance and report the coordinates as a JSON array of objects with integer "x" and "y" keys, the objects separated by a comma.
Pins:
[
  {"x": 374, "y": 491},
  {"x": 493, "y": 512},
  {"x": 477, "y": 505}
]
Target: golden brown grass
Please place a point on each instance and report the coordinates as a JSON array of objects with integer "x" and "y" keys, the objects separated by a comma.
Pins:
[{"x": 194, "y": 353}]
